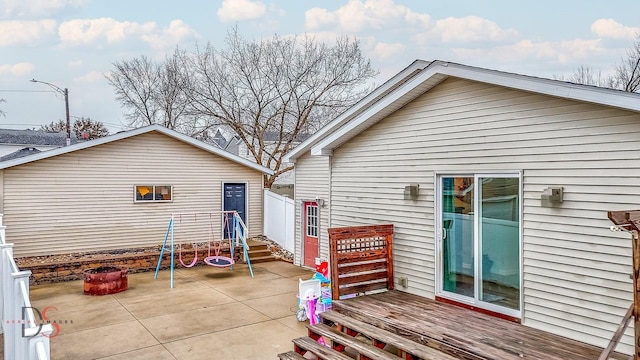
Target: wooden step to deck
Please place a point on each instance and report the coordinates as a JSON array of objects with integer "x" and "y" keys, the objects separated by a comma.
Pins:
[
  {"x": 340, "y": 341},
  {"x": 382, "y": 337},
  {"x": 304, "y": 344},
  {"x": 291, "y": 355}
]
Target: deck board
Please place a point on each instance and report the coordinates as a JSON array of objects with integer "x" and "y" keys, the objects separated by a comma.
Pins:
[{"x": 461, "y": 332}]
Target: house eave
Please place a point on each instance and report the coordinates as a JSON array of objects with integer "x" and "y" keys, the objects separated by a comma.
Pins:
[
  {"x": 353, "y": 111},
  {"x": 321, "y": 152},
  {"x": 438, "y": 71},
  {"x": 127, "y": 134}
]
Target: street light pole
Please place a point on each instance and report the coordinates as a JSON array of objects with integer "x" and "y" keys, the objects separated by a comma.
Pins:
[
  {"x": 66, "y": 105},
  {"x": 64, "y": 92}
]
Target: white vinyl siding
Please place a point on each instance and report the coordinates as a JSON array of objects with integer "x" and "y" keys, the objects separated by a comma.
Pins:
[
  {"x": 312, "y": 179},
  {"x": 82, "y": 201},
  {"x": 576, "y": 272}
]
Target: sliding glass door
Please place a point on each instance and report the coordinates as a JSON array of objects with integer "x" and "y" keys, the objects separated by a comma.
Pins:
[{"x": 479, "y": 240}]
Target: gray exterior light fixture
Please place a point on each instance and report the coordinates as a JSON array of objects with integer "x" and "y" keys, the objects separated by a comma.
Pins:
[
  {"x": 411, "y": 191},
  {"x": 552, "y": 196}
]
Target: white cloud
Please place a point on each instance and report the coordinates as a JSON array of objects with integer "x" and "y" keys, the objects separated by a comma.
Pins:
[
  {"x": 169, "y": 37},
  {"x": 316, "y": 18},
  {"x": 327, "y": 37},
  {"x": 238, "y": 10},
  {"x": 90, "y": 77},
  {"x": 562, "y": 52},
  {"x": 358, "y": 15},
  {"x": 36, "y": 8},
  {"x": 26, "y": 33},
  {"x": 19, "y": 69},
  {"x": 468, "y": 29},
  {"x": 74, "y": 63},
  {"x": 385, "y": 51},
  {"x": 609, "y": 28},
  {"x": 372, "y": 48},
  {"x": 95, "y": 31}
]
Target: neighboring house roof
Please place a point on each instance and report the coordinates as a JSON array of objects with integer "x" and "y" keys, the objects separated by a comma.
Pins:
[
  {"x": 233, "y": 146},
  {"x": 127, "y": 134},
  {"x": 438, "y": 71},
  {"x": 34, "y": 138},
  {"x": 218, "y": 139},
  {"x": 421, "y": 76},
  {"x": 20, "y": 153}
]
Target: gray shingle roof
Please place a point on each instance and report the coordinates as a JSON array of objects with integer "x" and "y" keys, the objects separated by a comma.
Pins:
[
  {"x": 34, "y": 137},
  {"x": 20, "y": 153},
  {"x": 218, "y": 139}
]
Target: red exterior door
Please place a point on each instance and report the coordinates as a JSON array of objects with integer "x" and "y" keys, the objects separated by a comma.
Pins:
[{"x": 311, "y": 226}]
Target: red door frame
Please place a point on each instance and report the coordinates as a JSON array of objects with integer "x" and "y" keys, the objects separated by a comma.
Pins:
[{"x": 310, "y": 233}]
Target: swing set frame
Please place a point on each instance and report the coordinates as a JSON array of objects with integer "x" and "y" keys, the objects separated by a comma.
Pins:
[{"x": 237, "y": 231}]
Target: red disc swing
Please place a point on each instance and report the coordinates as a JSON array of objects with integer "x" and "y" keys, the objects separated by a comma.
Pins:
[{"x": 218, "y": 260}]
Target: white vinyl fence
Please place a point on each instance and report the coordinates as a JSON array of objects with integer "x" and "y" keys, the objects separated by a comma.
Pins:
[
  {"x": 279, "y": 219},
  {"x": 25, "y": 337}
]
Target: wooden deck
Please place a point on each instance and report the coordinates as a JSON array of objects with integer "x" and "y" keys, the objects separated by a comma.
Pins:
[{"x": 462, "y": 333}]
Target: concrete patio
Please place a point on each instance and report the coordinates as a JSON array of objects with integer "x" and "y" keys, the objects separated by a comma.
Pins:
[{"x": 210, "y": 313}]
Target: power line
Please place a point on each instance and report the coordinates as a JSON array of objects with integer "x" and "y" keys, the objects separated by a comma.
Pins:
[
  {"x": 17, "y": 90},
  {"x": 105, "y": 123}
]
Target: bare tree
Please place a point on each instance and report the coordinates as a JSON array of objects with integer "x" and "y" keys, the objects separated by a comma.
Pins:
[
  {"x": 589, "y": 76},
  {"x": 287, "y": 86},
  {"x": 270, "y": 93},
  {"x": 83, "y": 128},
  {"x": 2, "y": 113},
  {"x": 626, "y": 76},
  {"x": 55, "y": 127},
  {"x": 156, "y": 93}
]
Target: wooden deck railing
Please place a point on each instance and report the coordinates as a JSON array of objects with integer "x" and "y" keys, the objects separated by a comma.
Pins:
[
  {"x": 24, "y": 336},
  {"x": 361, "y": 259}
]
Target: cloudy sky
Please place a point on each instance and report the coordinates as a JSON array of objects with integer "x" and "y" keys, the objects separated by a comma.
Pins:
[{"x": 73, "y": 43}]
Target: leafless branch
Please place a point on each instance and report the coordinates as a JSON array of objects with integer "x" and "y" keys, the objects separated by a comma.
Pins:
[{"x": 271, "y": 93}]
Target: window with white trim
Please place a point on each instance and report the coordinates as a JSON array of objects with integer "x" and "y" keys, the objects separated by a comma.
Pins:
[
  {"x": 312, "y": 220},
  {"x": 152, "y": 193}
]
